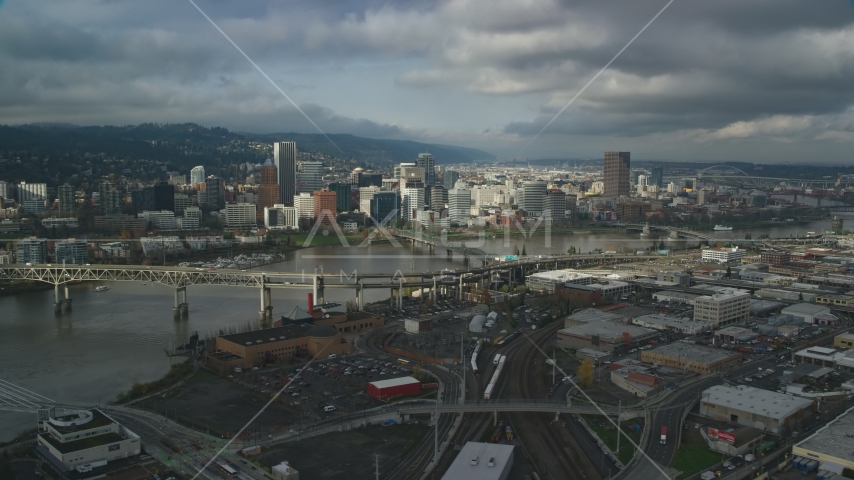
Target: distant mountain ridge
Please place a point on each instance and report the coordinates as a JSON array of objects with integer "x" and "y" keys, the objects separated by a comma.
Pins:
[{"x": 175, "y": 142}]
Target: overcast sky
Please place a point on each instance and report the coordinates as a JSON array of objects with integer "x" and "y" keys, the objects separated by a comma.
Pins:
[{"x": 764, "y": 80}]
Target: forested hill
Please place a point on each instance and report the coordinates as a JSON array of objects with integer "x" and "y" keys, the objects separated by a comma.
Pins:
[{"x": 54, "y": 152}]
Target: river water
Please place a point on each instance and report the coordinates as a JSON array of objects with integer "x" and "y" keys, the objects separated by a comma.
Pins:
[{"x": 111, "y": 339}]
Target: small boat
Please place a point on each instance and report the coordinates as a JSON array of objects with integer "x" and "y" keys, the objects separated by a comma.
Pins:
[
  {"x": 722, "y": 228},
  {"x": 102, "y": 288}
]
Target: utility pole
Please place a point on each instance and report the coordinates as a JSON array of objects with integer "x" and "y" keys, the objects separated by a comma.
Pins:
[{"x": 377, "y": 463}]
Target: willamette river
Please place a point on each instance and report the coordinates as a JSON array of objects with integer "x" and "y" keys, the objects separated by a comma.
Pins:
[{"x": 114, "y": 338}]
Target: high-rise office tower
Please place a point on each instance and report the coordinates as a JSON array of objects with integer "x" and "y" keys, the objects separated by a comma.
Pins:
[
  {"x": 450, "y": 178},
  {"x": 164, "y": 197},
  {"x": 438, "y": 198},
  {"x": 412, "y": 201},
  {"x": 425, "y": 161},
  {"x": 65, "y": 195},
  {"x": 533, "y": 198},
  {"x": 324, "y": 206},
  {"x": 32, "y": 191},
  {"x": 617, "y": 170},
  {"x": 459, "y": 205},
  {"x": 342, "y": 196},
  {"x": 385, "y": 208},
  {"x": 197, "y": 175},
  {"x": 310, "y": 177},
  {"x": 657, "y": 177},
  {"x": 110, "y": 199},
  {"x": 268, "y": 190},
  {"x": 285, "y": 159},
  {"x": 214, "y": 193}
]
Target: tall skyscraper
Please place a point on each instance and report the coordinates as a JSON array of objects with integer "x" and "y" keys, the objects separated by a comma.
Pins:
[
  {"x": 214, "y": 193},
  {"x": 425, "y": 161},
  {"x": 342, "y": 196},
  {"x": 459, "y": 205},
  {"x": 310, "y": 177},
  {"x": 617, "y": 170},
  {"x": 438, "y": 198},
  {"x": 657, "y": 177},
  {"x": 65, "y": 195},
  {"x": 385, "y": 208},
  {"x": 285, "y": 159},
  {"x": 450, "y": 179},
  {"x": 110, "y": 199},
  {"x": 197, "y": 175},
  {"x": 412, "y": 201},
  {"x": 268, "y": 190},
  {"x": 164, "y": 197},
  {"x": 533, "y": 198}
]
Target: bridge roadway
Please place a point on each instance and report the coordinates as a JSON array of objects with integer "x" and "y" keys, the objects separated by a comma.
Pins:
[
  {"x": 182, "y": 277},
  {"x": 509, "y": 405}
]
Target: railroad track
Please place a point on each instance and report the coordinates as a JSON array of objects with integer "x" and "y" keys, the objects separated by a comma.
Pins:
[{"x": 554, "y": 459}]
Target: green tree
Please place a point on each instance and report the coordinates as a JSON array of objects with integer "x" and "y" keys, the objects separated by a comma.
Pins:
[
  {"x": 524, "y": 250},
  {"x": 416, "y": 371},
  {"x": 585, "y": 373}
]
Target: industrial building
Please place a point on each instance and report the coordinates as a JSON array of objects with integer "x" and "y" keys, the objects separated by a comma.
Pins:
[
  {"x": 684, "y": 355},
  {"x": 270, "y": 345},
  {"x": 548, "y": 281},
  {"x": 722, "y": 308},
  {"x": 416, "y": 326},
  {"x": 831, "y": 444},
  {"x": 481, "y": 461},
  {"x": 734, "y": 334},
  {"x": 584, "y": 295},
  {"x": 723, "y": 255},
  {"x": 845, "y": 340},
  {"x": 807, "y": 311},
  {"x": 826, "y": 357},
  {"x": 77, "y": 439},
  {"x": 588, "y": 315},
  {"x": 605, "y": 336},
  {"x": 754, "y": 407},
  {"x": 675, "y": 297},
  {"x": 667, "y": 323},
  {"x": 394, "y": 387}
]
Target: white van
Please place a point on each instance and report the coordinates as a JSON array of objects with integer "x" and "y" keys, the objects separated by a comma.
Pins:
[
  {"x": 332, "y": 355},
  {"x": 329, "y": 408}
]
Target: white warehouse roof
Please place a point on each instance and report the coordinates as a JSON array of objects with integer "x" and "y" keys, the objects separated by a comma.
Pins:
[
  {"x": 755, "y": 400},
  {"x": 394, "y": 382},
  {"x": 462, "y": 468}
]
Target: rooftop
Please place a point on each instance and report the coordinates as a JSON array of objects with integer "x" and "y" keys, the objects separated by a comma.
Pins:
[
  {"x": 594, "y": 315},
  {"x": 394, "y": 382},
  {"x": 462, "y": 468},
  {"x": 675, "y": 294},
  {"x": 693, "y": 352},
  {"x": 275, "y": 334},
  {"x": 607, "y": 330},
  {"x": 834, "y": 439},
  {"x": 98, "y": 420},
  {"x": 660, "y": 319},
  {"x": 560, "y": 275},
  {"x": 734, "y": 331},
  {"x": 755, "y": 400},
  {"x": 807, "y": 308}
]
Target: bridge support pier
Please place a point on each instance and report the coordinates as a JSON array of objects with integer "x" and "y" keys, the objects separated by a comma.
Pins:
[
  {"x": 360, "y": 299},
  {"x": 67, "y": 300},
  {"x": 433, "y": 292},
  {"x": 181, "y": 308},
  {"x": 57, "y": 303},
  {"x": 400, "y": 294},
  {"x": 495, "y": 418},
  {"x": 449, "y": 252}
]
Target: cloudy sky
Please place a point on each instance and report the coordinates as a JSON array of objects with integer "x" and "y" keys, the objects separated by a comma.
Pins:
[{"x": 764, "y": 80}]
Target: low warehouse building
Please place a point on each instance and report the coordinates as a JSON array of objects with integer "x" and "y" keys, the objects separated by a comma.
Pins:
[
  {"x": 691, "y": 356},
  {"x": 806, "y": 311},
  {"x": 832, "y": 443},
  {"x": 606, "y": 336},
  {"x": 481, "y": 461},
  {"x": 394, "y": 387},
  {"x": 83, "y": 440},
  {"x": 826, "y": 357},
  {"x": 846, "y": 340},
  {"x": 754, "y": 407},
  {"x": 271, "y": 345},
  {"x": 416, "y": 326}
]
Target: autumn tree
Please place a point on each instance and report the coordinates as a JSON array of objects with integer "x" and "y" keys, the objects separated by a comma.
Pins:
[{"x": 585, "y": 373}]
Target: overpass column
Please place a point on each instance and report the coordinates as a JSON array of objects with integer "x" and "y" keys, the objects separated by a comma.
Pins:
[
  {"x": 57, "y": 304},
  {"x": 360, "y": 296},
  {"x": 461, "y": 288},
  {"x": 262, "y": 310},
  {"x": 268, "y": 303},
  {"x": 67, "y": 299},
  {"x": 433, "y": 296},
  {"x": 400, "y": 294}
]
